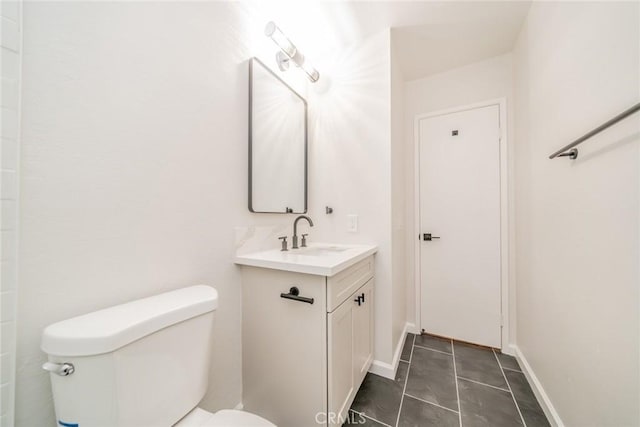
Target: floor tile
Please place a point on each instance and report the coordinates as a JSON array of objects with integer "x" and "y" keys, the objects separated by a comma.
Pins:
[
  {"x": 483, "y": 406},
  {"x": 478, "y": 364},
  {"x": 401, "y": 373},
  {"x": 406, "y": 350},
  {"x": 379, "y": 398},
  {"x": 415, "y": 413},
  {"x": 356, "y": 419},
  {"x": 508, "y": 362},
  {"x": 431, "y": 378},
  {"x": 531, "y": 411},
  {"x": 430, "y": 384},
  {"x": 435, "y": 343}
]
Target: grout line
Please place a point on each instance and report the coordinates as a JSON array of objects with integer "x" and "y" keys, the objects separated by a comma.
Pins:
[
  {"x": 510, "y": 391},
  {"x": 430, "y": 403},
  {"x": 455, "y": 377},
  {"x": 406, "y": 380},
  {"x": 484, "y": 384},
  {"x": 371, "y": 418},
  {"x": 413, "y": 343},
  {"x": 433, "y": 349},
  {"x": 512, "y": 370}
]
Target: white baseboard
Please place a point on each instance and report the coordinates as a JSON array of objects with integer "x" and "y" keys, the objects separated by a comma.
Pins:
[
  {"x": 383, "y": 369},
  {"x": 536, "y": 386},
  {"x": 412, "y": 328},
  {"x": 388, "y": 370},
  {"x": 510, "y": 350}
]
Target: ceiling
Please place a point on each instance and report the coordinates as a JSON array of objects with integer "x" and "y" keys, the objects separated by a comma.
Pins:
[
  {"x": 463, "y": 36},
  {"x": 428, "y": 36}
]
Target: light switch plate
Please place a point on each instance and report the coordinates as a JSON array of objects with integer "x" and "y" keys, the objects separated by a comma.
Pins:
[{"x": 352, "y": 223}]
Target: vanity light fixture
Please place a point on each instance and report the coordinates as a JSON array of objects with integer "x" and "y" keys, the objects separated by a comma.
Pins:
[{"x": 289, "y": 53}]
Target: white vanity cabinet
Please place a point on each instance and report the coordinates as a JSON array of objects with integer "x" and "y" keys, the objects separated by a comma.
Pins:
[{"x": 303, "y": 362}]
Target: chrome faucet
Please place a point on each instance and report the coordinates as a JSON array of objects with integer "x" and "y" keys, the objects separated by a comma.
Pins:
[{"x": 294, "y": 243}]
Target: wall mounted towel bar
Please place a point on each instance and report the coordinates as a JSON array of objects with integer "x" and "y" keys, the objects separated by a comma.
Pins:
[{"x": 573, "y": 154}]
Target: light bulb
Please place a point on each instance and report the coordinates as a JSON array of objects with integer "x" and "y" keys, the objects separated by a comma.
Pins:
[
  {"x": 289, "y": 52},
  {"x": 272, "y": 30},
  {"x": 311, "y": 72}
]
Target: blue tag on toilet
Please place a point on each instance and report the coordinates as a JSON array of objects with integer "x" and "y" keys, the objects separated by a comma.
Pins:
[{"x": 63, "y": 424}]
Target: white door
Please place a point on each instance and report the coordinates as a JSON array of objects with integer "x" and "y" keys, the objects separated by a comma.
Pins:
[{"x": 460, "y": 204}]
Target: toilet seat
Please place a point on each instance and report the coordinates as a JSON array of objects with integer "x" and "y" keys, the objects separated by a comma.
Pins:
[{"x": 224, "y": 418}]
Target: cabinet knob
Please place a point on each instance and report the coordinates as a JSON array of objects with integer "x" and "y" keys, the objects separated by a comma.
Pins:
[{"x": 358, "y": 300}]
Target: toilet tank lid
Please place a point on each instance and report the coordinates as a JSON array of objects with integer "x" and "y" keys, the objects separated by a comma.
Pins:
[{"x": 107, "y": 330}]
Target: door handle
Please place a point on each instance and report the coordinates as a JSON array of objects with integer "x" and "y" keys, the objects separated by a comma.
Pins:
[
  {"x": 358, "y": 300},
  {"x": 428, "y": 237}
]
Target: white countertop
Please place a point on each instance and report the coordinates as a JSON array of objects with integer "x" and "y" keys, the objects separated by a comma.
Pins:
[{"x": 322, "y": 259}]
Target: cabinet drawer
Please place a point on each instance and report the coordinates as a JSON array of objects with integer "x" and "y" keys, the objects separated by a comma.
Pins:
[{"x": 343, "y": 284}]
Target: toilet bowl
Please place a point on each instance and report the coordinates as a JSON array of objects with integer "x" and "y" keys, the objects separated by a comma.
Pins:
[
  {"x": 229, "y": 418},
  {"x": 143, "y": 363}
]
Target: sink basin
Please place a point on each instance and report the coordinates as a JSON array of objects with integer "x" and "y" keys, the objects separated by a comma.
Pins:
[
  {"x": 321, "y": 250},
  {"x": 319, "y": 258}
]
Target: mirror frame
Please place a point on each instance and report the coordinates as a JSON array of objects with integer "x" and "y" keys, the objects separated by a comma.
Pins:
[{"x": 252, "y": 61}]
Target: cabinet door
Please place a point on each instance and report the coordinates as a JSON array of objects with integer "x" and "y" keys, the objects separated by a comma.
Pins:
[
  {"x": 340, "y": 359},
  {"x": 363, "y": 332},
  {"x": 284, "y": 347}
]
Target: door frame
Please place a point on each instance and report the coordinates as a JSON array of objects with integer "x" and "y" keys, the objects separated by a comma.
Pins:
[{"x": 504, "y": 211}]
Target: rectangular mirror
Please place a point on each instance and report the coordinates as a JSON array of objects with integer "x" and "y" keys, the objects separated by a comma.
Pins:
[{"x": 277, "y": 144}]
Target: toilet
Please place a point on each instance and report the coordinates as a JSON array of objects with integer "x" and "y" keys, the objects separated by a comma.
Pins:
[{"x": 140, "y": 364}]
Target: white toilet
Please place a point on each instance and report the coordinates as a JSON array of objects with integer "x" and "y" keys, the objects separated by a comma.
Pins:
[{"x": 139, "y": 364}]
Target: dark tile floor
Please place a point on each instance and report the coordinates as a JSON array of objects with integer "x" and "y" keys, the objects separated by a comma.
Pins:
[{"x": 442, "y": 382}]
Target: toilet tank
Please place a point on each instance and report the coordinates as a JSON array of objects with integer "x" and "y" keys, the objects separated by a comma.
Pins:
[{"x": 143, "y": 363}]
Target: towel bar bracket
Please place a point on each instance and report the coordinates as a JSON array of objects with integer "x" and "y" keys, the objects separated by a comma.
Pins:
[{"x": 572, "y": 154}]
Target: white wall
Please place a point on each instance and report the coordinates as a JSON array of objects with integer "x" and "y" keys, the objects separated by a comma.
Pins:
[
  {"x": 350, "y": 167},
  {"x": 10, "y": 58},
  {"x": 134, "y": 169},
  {"x": 577, "y": 65},
  {"x": 481, "y": 81},
  {"x": 398, "y": 201},
  {"x": 134, "y": 166}
]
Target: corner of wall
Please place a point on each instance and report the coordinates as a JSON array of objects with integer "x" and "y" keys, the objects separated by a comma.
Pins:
[
  {"x": 536, "y": 386},
  {"x": 11, "y": 45},
  {"x": 388, "y": 370}
]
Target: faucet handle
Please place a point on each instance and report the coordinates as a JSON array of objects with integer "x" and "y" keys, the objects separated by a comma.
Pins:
[
  {"x": 304, "y": 240},
  {"x": 284, "y": 243}
]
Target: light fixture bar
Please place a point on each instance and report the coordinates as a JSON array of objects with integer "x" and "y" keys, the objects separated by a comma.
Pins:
[{"x": 291, "y": 53}]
